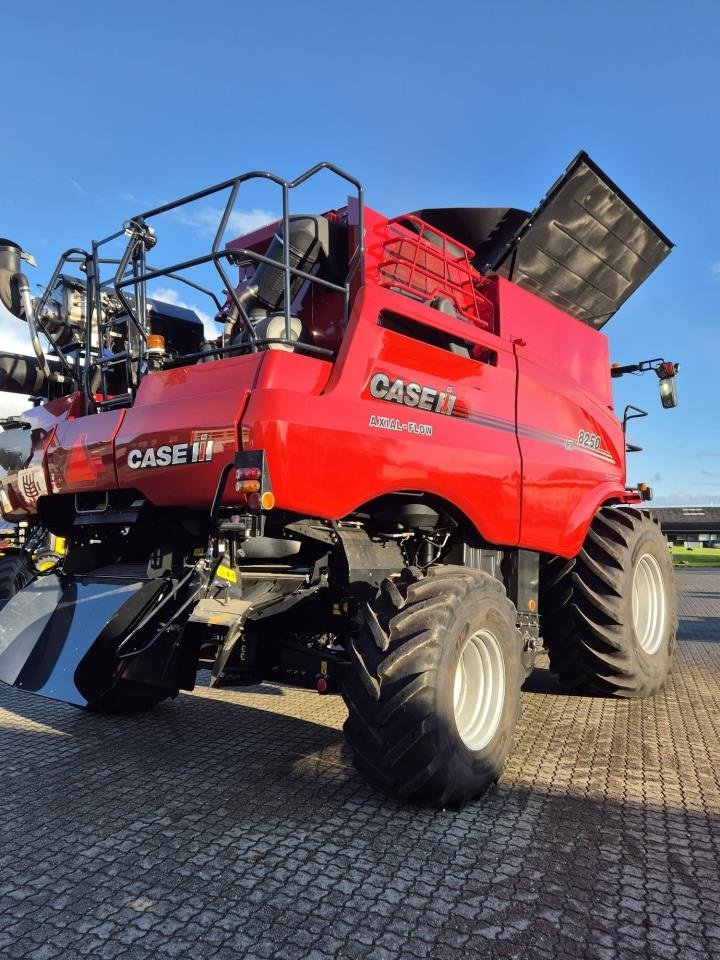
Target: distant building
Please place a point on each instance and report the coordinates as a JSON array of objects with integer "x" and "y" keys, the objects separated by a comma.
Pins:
[{"x": 691, "y": 526}]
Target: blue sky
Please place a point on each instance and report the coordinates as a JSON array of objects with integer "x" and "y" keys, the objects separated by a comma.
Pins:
[{"x": 112, "y": 107}]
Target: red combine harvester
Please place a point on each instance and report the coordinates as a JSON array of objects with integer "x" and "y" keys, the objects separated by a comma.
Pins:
[{"x": 396, "y": 474}]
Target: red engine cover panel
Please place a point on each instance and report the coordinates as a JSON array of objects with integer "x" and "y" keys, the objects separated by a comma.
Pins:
[
  {"x": 331, "y": 452},
  {"x": 187, "y": 419},
  {"x": 81, "y": 454},
  {"x": 572, "y": 444}
]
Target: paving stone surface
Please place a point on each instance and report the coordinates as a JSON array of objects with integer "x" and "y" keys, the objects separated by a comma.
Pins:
[{"x": 231, "y": 824}]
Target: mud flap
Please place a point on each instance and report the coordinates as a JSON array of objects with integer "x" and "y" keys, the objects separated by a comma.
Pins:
[{"x": 48, "y": 629}]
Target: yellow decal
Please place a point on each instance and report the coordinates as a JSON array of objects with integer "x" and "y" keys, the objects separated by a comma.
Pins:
[
  {"x": 226, "y": 573},
  {"x": 59, "y": 545}
]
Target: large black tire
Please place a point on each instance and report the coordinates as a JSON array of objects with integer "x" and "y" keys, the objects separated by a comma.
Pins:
[
  {"x": 609, "y": 616},
  {"x": 15, "y": 573},
  {"x": 401, "y": 691}
]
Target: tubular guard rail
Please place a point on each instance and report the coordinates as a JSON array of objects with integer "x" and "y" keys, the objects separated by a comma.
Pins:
[
  {"x": 132, "y": 271},
  {"x": 426, "y": 264}
]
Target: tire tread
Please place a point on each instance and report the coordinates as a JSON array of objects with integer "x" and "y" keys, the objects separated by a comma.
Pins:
[
  {"x": 392, "y": 727},
  {"x": 582, "y": 610}
]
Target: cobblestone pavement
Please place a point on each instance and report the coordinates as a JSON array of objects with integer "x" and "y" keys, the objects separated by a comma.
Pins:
[{"x": 231, "y": 824}]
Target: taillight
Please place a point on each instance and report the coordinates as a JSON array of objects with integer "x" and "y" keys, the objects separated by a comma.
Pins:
[
  {"x": 252, "y": 479},
  {"x": 247, "y": 480},
  {"x": 247, "y": 486}
]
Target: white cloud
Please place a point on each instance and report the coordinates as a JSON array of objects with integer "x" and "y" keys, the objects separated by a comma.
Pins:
[
  {"x": 14, "y": 334},
  {"x": 80, "y": 189},
  {"x": 170, "y": 295},
  {"x": 127, "y": 197},
  {"x": 686, "y": 498},
  {"x": 715, "y": 269},
  {"x": 205, "y": 220},
  {"x": 11, "y": 404},
  {"x": 245, "y": 221}
]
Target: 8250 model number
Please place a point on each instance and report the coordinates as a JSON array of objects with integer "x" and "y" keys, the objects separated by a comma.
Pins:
[{"x": 586, "y": 439}]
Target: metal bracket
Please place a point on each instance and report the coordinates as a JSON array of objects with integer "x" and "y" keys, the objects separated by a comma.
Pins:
[
  {"x": 368, "y": 561},
  {"x": 632, "y": 416}
]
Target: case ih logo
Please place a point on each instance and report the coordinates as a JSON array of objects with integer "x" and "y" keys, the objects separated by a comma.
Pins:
[
  {"x": 169, "y": 455},
  {"x": 412, "y": 394}
]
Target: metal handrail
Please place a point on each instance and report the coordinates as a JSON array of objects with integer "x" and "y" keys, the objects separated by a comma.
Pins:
[
  {"x": 138, "y": 226},
  {"x": 133, "y": 271}
]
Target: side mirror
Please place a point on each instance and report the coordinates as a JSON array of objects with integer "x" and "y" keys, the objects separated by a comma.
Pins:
[{"x": 668, "y": 391}]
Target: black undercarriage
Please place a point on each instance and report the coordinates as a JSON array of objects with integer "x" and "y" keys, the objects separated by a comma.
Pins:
[{"x": 249, "y": 596}]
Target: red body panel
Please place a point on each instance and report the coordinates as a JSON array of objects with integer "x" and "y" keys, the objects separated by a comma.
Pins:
[
  {"x": 323, "y": 452},
  {"x": 526, "y": 446},
  {"x": 563, "y": 390},
  {"x": 199, "y": 403},
  {"x": 22, "y": 489},
  {"x": 81, "y": 453}
]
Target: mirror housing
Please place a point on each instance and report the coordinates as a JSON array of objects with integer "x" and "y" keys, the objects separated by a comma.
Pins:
[{"x": 668, "y": 391}]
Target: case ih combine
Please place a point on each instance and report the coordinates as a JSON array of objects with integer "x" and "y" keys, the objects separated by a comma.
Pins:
[{"x": 396, "y": 474}]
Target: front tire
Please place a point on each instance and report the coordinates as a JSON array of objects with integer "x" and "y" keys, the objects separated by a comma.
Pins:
[
  {"x": 609, "y": 616},
  {"x": 434, "y": 692}
]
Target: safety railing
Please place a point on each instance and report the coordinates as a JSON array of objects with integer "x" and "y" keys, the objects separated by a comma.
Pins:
[
  {"x": 426, "y": 264},
  {"x": 132, "y": 273}
]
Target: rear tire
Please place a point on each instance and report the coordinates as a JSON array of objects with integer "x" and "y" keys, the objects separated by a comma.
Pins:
[
  {"x": 609, "y": 616},
  {"x": 434, "y": 696}
]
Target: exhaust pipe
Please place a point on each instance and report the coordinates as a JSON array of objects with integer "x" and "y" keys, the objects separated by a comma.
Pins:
[
  {"x": 10, "y": 271},
  {"x": 16, "y": 297}
]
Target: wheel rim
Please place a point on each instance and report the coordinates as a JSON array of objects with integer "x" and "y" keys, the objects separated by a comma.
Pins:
[
  {"x": 649, "y": 603},
  {"x": 479, "y": 690}
]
